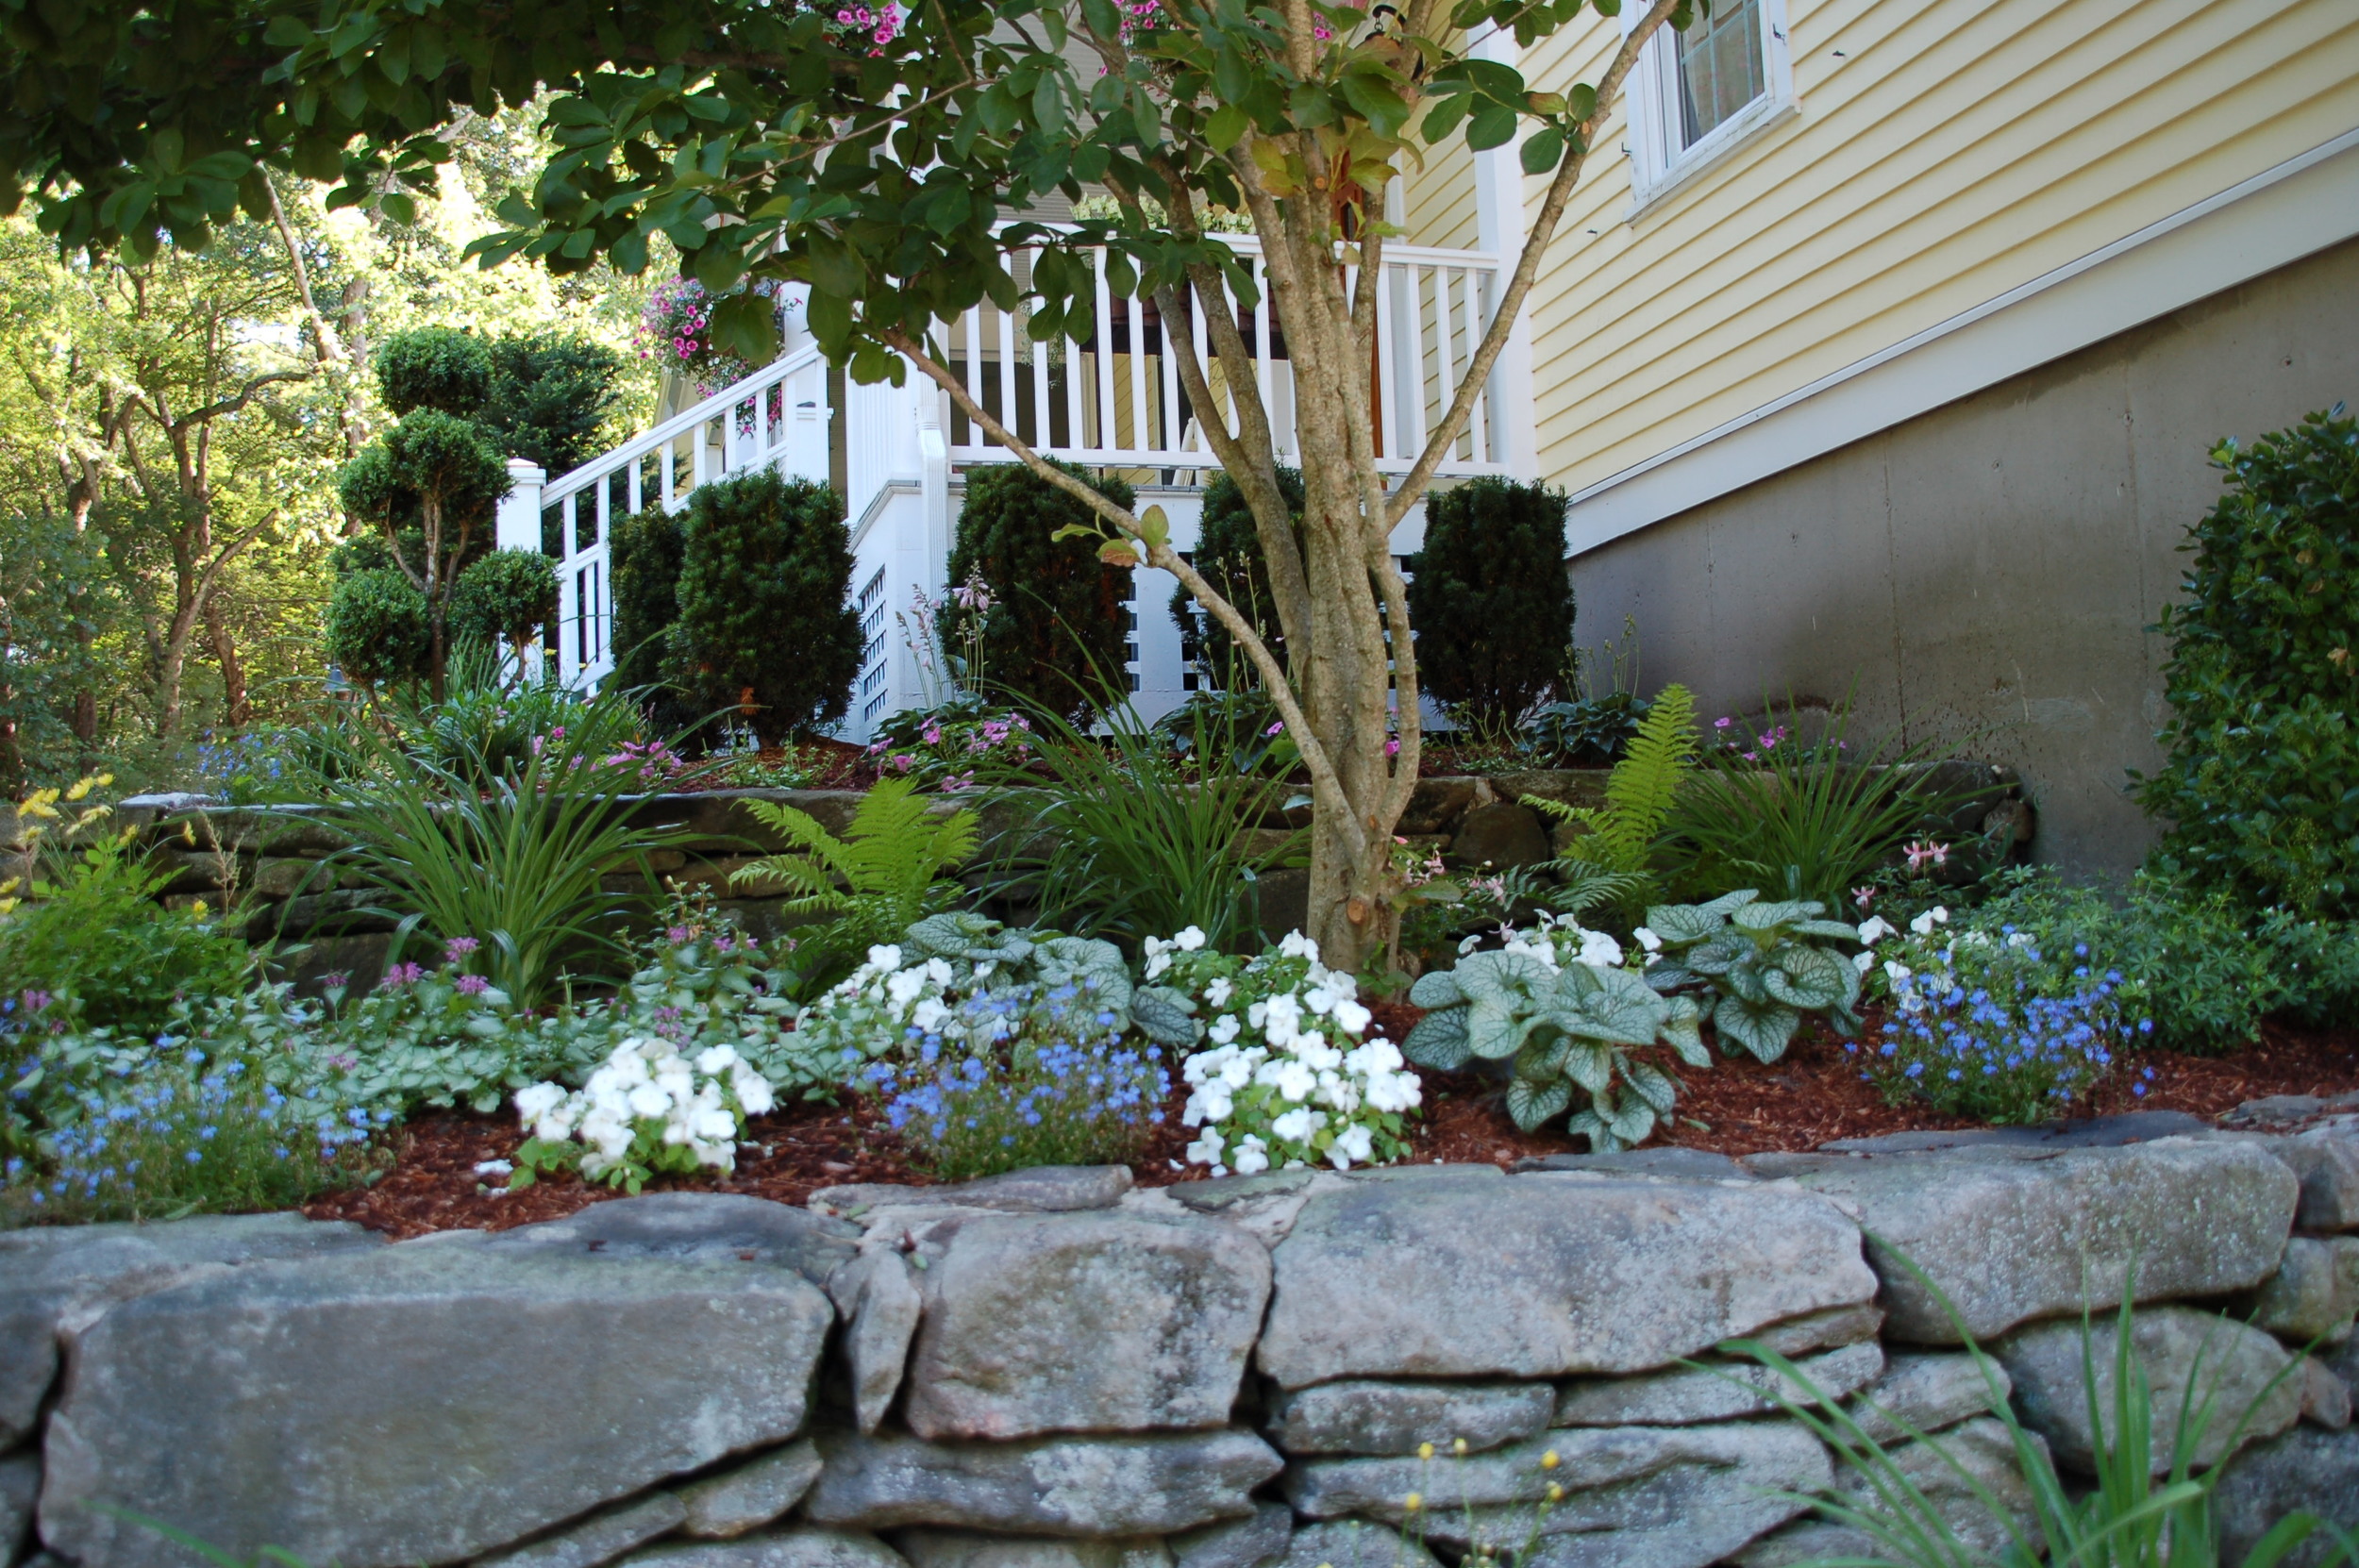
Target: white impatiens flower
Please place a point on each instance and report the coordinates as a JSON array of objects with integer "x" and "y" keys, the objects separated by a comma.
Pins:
[
  {"x": 1293, "y": 1079},
  {"x": 1600, "y": 951},
  {"x": 1206, "y": 1150},
  {"x": 1297, "y": 1126},
  {"x": 1189, "y": 940},
  {"x": 1217, "y": 994},
  {"x": 1923, "y": 924},
  {"x": 646, "y": 1098},
  {"x": 1897, "y": 972},
  {"x": 1647, "y": 940},
  {"x": 1352, "y": 1146},
  {"x": 1295, "y": 946},
  {"x": 1253, "y": 1156},
  {"x": 1863, "y": 960},
  {"x": 1874, "y": 929}
]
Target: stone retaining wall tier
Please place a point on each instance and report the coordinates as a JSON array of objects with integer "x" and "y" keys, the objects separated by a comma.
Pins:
[{"x": 1057, "y": 1370}]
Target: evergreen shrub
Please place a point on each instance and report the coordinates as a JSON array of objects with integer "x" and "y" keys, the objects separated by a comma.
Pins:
[
  {"x": 1054, "y": 630},
  {"x": 377, "y": 630},
  {"x": 766, "y": 624},
  {"x": 643, "y": 551},
  {"x": 505, "y": 598},
  {"x": 2260, "y": 784},
  {"x": 1229, "y": 554},
  {"x": 1490, "y": 600}
]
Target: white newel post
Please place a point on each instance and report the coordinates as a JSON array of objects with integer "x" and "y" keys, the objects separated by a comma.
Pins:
[{"x": 517, "y": 524}]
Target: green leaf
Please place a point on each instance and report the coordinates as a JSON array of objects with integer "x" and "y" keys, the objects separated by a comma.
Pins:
[
  {"x": 1155, "y": 525},
  {"x": 1493, "y": 1033},
  {"x": 1436, "y": 988},
  {"x": 1763, "y": 1028},
  {"x": 1543, "y": 150},
  {"x": 1438, "y": 1040},
  {"x": 1226, "y": 127},
  {"x": 1532, "y": 1103},
  {"x": 1491, "y": 126}
]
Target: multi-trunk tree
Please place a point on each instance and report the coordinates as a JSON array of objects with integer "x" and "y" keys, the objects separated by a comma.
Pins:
[{"x": 887, "y": 158}]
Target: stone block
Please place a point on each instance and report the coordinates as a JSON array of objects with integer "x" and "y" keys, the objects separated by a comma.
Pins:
[
  {"x": 2016, "y": 1234},
  {"x": 417, "y": 1403},
  {"x": 800, "y": 1547},
  {"x": 1719, "y": 1391},
  {"x": 1500, "y": 837},
  {"x": 1354, "y": 1543},
  {"x": 1235, "y": 1542},
  {"x": 1836, "y": 1325},
  {"x": 2314, "y": 1292},
  {"x": 699, "y": 1228},
  {"x": 599, "y": 1539},
  {"x": 1456, "y": 1274},
  {"x": 880, "y": 1307},
  {"x": 1655, "y": 1495},
  {"x": 20, "y": 1484},
  {"x": 2229, "y": 1364},
  {"x": 1362, "y": 1415},
  {"x": 2307, "y": 1470},
  {"x": 1983, "y": 1449},
  {"x": 47, "y": 1273},
  {"x": 2325, "y": 1397},
  {"x": 934, "y": 1549},
  {"x": 1067, "y": 1486},
  {"x": 1434, "y": 805},
  {"x": 1689, "y": 1164},
  {"x": 1925, "y": 1393},
  {"x": 1086, "y": 1322},
  {"x": 1043, "y": 1189},
  {"x": 748, "y": 1496}
]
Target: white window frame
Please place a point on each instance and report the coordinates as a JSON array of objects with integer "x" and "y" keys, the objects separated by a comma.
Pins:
[{"x": 1656, "y": 168}]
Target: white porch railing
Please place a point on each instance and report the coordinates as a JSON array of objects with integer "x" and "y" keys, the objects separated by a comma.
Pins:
[
  {"x": 1113, "y": 399},
  {"x": 777, "y": 416}
]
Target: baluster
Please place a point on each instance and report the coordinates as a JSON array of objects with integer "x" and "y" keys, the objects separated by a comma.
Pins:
[{"x": 1104, "y": 337}]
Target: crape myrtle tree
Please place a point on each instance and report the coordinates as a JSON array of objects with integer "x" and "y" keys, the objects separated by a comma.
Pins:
[{"x": 888, "y": 164}]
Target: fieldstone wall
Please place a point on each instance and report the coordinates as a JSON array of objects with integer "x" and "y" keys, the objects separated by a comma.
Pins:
[
  {"x": 276, "y": 866},
  {"x": 1054, "y": 1370}
]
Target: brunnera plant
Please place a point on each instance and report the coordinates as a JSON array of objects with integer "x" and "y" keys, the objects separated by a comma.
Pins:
[{"x": 891, "y": 172}]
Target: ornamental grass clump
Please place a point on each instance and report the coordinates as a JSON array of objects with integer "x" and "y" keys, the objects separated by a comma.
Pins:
[
  {"x": 1022, "y": 1077},
  {"x": 649, "y": 1111},
  {"x": 1984, "y": 1023},
  {"x": 1291, "y": 1075}
]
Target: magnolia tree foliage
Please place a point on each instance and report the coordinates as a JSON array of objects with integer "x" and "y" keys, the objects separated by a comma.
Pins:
[{"x": 890, "y": 166}]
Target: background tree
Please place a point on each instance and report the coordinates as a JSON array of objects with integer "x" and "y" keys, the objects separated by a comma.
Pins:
[
  {"x": 766, "y": 626},
  {"x": 1490, "y": 598},
  {"x": 1229, "y": 554},
  {"x": 1054, "y": 630},
  {"x": 882, "y": 164}
]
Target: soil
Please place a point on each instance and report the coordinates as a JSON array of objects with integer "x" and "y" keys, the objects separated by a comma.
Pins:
[{"x": 1812, "y": 1096}]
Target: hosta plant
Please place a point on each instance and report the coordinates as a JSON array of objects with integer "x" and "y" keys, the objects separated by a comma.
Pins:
[
  {"x": 1291, "y": 1075},
  {"x": 1557, "y": 1005},
  {"x": 649, "y": 1111},
  {"x": 1763, "y": 963}
]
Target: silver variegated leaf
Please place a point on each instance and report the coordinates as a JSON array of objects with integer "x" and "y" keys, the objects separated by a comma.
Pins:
[
  {"x": 1542, "y": 1055},
  {"x": 1505, "y": 979},
  {"x": 1532, "y": 1103},
  {"x": 1763, "y": 1028},
  {"x": 1438, "y": 1040},
  {"x": 1630, "y": 1121},
  {"x": 1588, "y": 1123},
  {"x": 1831, "y": 929},
  {"x": 1680, "y": 924},
  {"x": 1682, "y": 1030},
  {"x": 1757, "y": 919},
  {"x": 1162, "y": 1015},
  {"x": 1590, "y": 1065},
  {"x": 1436, "y": 988},
  {"x": 1493, "y": 1031}
]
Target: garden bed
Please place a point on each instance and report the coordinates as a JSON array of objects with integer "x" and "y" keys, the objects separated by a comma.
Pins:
[{"x": 1813, "y": 1096}]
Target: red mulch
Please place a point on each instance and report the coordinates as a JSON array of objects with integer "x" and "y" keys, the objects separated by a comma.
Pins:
[
  {"x": 1812, "y": 1096},
  {"x": 843, "y": 766}
]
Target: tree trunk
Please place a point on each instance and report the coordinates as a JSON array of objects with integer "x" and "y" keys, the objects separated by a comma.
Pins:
[{"x": 237, "y": 709}]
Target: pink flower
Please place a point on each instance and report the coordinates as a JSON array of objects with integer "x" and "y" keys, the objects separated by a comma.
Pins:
[
  {"x": 1392, "y": 746},
  {"x": 458, "y": 948},
  {"x": 678, "y": 935},
  {"x": 399, "y": 975},
  {"x": 1863, "y": 898},
  {"x": 472, "y": 985},
  {"x": 1274, "y": 728},
  {"x": 1924, "y": 853}
]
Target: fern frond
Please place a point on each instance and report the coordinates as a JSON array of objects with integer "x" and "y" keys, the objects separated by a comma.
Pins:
[
  {"x": 892, "y": 850},
  {"x": 1640, "y": 791}
]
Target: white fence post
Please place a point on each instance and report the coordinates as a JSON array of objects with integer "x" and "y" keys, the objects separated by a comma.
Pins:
[{"x": 517, "y": 523}]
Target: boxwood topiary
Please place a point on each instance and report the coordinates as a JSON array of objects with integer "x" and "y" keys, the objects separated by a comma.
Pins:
[
  {"x": 1054, "y": 631},
  {"x": 1228, "y": 553},
  {"x": 434, "y": 367},
  {"x": 2261, "y": 788},
  {"x": 765, "y": 625},
  {"x": 507, "y": 597},
  {"x": 1490, "y": 600},
  {"x": 376, "y": 628},
  {"x": 644, "y": 550}
]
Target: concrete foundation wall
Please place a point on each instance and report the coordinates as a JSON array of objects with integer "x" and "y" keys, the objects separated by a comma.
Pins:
[{"x": 1988, "y": 570}]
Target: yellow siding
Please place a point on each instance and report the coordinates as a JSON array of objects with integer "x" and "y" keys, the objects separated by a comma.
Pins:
[
  {"x": 1439, "y": 198},
  {"x": 1959, "y": 150}
]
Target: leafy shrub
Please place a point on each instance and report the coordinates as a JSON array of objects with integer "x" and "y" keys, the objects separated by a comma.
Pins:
[
  {"x": 765, "y": 623},
  {"x": 1059, "y": 1085},
  {"x": 1818, "y": 821},
  {"x": 505, "y": 598},
  {"x": 2261, "y": 786},
  {"x": 1626, "y": 833},
  {"x": 1229, "y": 554},
  {"x": 1290, "y": 1073},
  {"x": 1054, "y": 630},
  {"x": 943, "y": 746},
  {"x": 1983, "y": 1022},
  {"x": 79, "y": 917},
  {"x": 1556, "y": 1004},
  {"x": 1585, "y": 732},
  {"x": 885, "y": 874},
  {"x": 433, "y": 367},
  {"x": 1761, "y": 962},
  {"x": 647, "y": 549},
  {"x": 550, "y": 397},
  {"x": 1490, "y": 599},
  {"x": 647, "y": 1110},
  {"x": 1133, "y": 842},
  {"x": 377, "y": 631}
]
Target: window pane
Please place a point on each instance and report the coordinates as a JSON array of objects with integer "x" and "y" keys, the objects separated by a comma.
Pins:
[{"x": 1720, "y": 67}]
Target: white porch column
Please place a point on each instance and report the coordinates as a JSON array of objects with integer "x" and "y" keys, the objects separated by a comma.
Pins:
[
  {"x": 516, "y": 523},
  {"x": 1500, "y": 227}
]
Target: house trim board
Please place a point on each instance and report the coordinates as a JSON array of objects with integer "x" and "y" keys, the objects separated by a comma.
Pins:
[{"x": 2257, "y": 225}]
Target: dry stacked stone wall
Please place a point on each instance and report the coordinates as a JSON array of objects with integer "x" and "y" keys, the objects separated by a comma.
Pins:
[
  {"x": 1056, "y": 1370},
  {"x": 277, "y": 866}
]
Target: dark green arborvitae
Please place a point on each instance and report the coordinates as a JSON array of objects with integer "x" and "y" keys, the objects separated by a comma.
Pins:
[
  {"x": 1228, "y": 553},
  {"x": 1054, "y": 632},
  {"x": 2261, "y": 788},
  {"x": 766, "y": 627},
  {"x": 1490, "y": 600},
  {"x": 377, "y": 630},
  {"x": 645, "y": 549}
]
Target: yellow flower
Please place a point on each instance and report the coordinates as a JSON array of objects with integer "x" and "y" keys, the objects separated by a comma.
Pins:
[
  {"x": 1425, "y": 1450},
  {"x": 1556, "y": 1492},
  {"x": 1548, "y": 1461},
  {"x": 81, "y": 787},
  {"x": 199, "y": 910},
  {"x": 1458, "y": 1445},
  {"x": 1415, "y": 1501}
]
